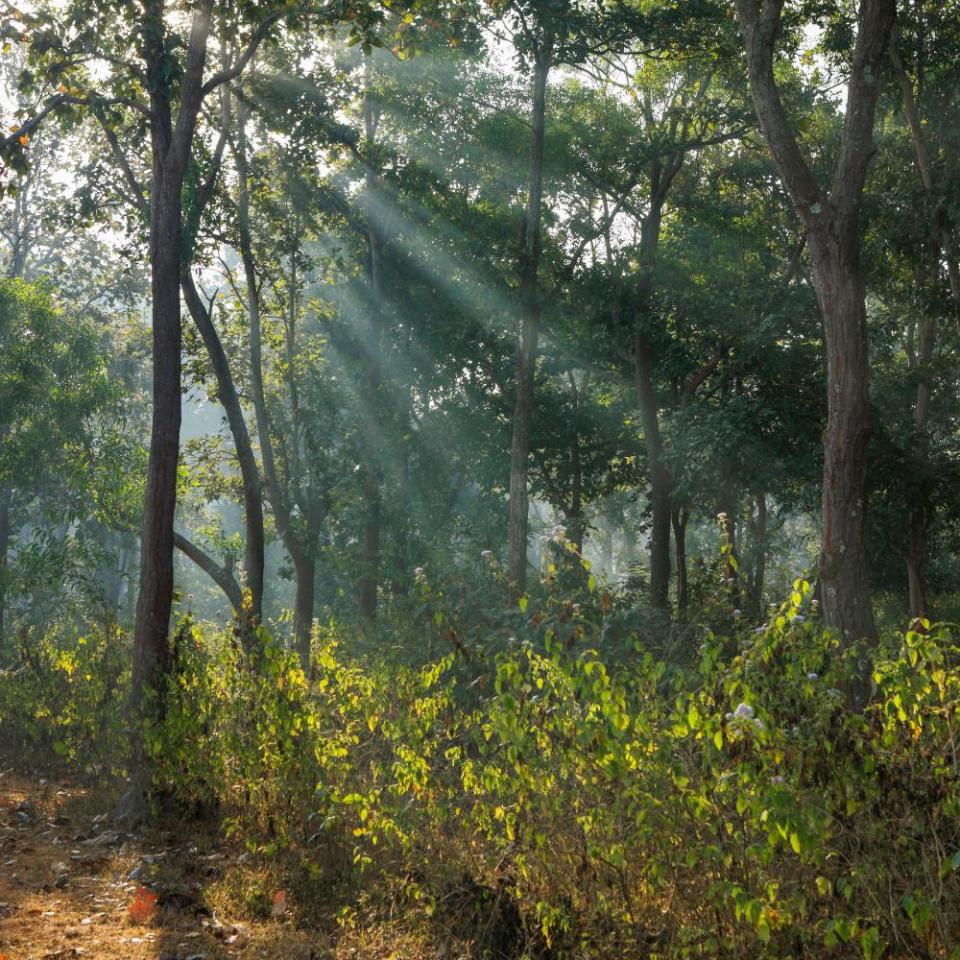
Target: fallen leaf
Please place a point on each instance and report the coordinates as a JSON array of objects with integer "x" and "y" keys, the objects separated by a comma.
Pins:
[
  {"x": 144, "y": 901},
  {"x": 279, "y": 904}
]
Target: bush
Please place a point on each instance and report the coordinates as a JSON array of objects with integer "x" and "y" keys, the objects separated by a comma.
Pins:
[
  {"x": 576, "y": 803},
  {"x": 62, "y": 699}
]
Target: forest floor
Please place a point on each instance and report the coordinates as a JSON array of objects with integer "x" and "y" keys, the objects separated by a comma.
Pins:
[{"x": 71, "y": 886}]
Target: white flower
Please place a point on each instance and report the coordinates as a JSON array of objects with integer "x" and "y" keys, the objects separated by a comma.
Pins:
[
  {"x": 576, "y": 608},
  {"x": 486, "y": 554},
  {"x": 776, "y": 779},
  {"x": 811, "y": 676},
  {"x": 419, "y": 572},
  {"x": 559, "y": 533},
  {"x": 737, "y": 614},
  {"x": 743, "y": 712},
  {"x": 760, "y": 629}
]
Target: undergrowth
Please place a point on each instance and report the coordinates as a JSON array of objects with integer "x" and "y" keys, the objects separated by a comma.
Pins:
[{"x": 561, "y": 789}]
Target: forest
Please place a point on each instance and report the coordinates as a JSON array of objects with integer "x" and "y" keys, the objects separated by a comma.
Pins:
[{"x": 479, "y": 480}]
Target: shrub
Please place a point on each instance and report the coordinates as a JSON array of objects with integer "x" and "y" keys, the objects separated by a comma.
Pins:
[
  {"x": 734, "y": 806},
  {"x": 62, "y": 699}
]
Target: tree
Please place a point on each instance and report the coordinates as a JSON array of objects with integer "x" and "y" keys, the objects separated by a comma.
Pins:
[
  {"x": 162, "y": 94},
  {"x": 52, "y": 380},
  {"x": 831, "y": 221}
]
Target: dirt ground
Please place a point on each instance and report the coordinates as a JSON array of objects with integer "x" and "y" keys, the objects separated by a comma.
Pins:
[{"x": 71, "y": 886}]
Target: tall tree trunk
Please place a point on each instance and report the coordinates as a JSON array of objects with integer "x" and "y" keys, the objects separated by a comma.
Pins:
[
  {"x": 4, "y": 553},
  {"x": 921, "y": 494},
  {"x": 529, "y": 330},
  {"x": 171, "y": 145},
  {"x": 301, "y": 554},
  {"x": 679, "y": 519},
  {"x": 370, "y": 560},
  {"x": 155, "y": 597},
  {"x": 832, "y": 225},
  {"x": 661, "y": 483},
  {"x": 249, "y": 471},
  {"x": 575, "y": 516},
  {"x": 660, "y": 480},
  {"x": 941, "y": 247}
]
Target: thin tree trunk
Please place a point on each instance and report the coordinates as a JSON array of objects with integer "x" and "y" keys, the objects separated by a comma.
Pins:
[
  {"x": 370, "y": 560},
  {"x": 529, "y": 331},
  {"x": 306, "y": 568},
  {"x": 921, "y": 357},
  {"x": 171, "y": 146},
  {"x": 300, "y": 554},
  {"x": 660, "y": 480},
  {"x": 247, "y": 461},
  {"x": 679, "y": 518},
  {"x": 576, "y": 471},
  {"x": 4, "y": 552},
  {"x": 661, "y": 483},
  {"x": 920, "y": 488},
  {"x": 758, "y": 578}
]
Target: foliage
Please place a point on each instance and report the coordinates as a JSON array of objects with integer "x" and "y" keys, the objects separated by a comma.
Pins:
[
  {"x": 62, "y": 699},
  {"x": 620, "y": 807}
]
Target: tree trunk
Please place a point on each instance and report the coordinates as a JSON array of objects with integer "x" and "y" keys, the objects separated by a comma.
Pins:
[
  {"x": 370, "y": 560},
  {"x": 306, "y": 567},
  {"x": 679, "y": 518},
  {"x": 301, "y": 554},
  {"x": 155, "y": 597},
  {"x": 844, "y": 570},
  {"x": 171, "y": 145},
  {"x": 759, "y": 573},
  {"x": 575, "y": 515},
  {"x": 247, "y": 461},
  {"x": 941, "y": 247},
  {"x": 4, "y": 553},
  {"x": 660, "y": 481},
  {"x": 832, "y": 225},
  {"x": 529, "y": 331}
]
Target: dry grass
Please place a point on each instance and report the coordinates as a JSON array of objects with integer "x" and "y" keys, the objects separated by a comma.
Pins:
[{"x": 67, "y": 882}]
